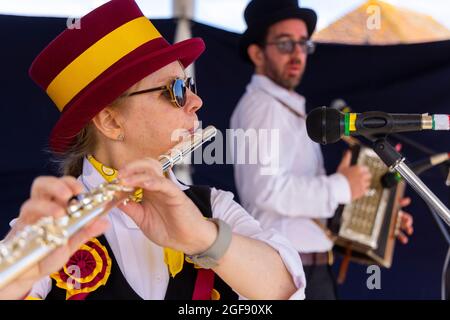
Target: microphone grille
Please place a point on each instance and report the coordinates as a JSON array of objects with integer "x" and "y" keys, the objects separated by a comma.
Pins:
[{"x": 324, "y": 125}]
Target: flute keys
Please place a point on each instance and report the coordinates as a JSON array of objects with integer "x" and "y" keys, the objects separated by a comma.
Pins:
[
  {"x": 76, "y": 214},
  {"x": 100, "y": 198},
  {"x": 4, "y": 251},
  {"x": 63, "y": 221},
  {"x": 74, "y": 206},
  {"x": 56, "y": 239},
  {"x": 86, "y": 201}
]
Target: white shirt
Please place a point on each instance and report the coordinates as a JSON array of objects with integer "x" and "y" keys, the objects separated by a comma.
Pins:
[
  {"x": 142, "y": 262},
  {"x": 300, "y": 189}
]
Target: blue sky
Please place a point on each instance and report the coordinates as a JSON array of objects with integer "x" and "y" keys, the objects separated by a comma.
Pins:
[{"x": 225, "y": 14}]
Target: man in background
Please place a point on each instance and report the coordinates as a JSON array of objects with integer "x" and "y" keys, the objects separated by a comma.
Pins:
[{"x": 299, "y": 196}]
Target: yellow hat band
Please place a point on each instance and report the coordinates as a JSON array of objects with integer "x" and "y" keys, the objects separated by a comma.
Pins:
[{"x": 98, "y": 58}]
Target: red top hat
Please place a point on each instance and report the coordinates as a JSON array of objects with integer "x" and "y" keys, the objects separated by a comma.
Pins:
[{"x": 85, "y": 69}]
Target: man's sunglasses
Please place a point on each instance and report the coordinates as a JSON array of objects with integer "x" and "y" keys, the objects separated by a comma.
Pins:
[
  {"x": 288, "y": 46},
  {"x": 175, "y": 91}
]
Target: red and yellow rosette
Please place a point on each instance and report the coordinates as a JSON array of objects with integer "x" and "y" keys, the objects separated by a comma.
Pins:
[{"x": 86, "y": 270}]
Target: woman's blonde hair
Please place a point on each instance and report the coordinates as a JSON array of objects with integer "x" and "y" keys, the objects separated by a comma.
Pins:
[{"x": 71, "y": 162}]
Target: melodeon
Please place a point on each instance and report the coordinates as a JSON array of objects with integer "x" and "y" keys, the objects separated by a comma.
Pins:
[{"x": 365, "y": 230}]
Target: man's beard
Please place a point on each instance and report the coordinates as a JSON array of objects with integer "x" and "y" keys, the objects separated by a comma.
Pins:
[{"x": 289, "y": 83}]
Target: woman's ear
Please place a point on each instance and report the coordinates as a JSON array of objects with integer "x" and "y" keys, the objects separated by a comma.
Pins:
[
  {"x": 256, "y": 54},
  {"x": 109, "y": 123}
]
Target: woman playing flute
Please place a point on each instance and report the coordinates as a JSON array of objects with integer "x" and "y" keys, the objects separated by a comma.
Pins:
[{"x": 123, "y": 92}]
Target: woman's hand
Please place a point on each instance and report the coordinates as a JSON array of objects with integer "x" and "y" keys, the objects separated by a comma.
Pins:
[
  {"x": 166, "y": 215},
  {"x": 49, "y": 197}
]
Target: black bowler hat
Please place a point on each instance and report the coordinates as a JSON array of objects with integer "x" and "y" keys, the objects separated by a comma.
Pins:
[{"x": 261, "y": 14}]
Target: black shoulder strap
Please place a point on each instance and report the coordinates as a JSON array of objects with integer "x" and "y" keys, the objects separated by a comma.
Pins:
[
  {"x": 201, "y": 196},
  {"x": 182, "y": 285}
]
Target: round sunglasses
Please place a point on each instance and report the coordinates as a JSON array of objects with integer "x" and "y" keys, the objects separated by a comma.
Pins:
[{"x": 175, "y": 91}]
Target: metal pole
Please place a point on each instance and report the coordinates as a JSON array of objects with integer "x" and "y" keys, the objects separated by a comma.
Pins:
[{"x": 423, "y": 191}]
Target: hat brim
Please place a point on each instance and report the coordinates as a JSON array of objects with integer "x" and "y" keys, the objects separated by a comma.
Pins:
[
  {"x": 116, "y": 80},
  {"x": 251, "y": 34}
]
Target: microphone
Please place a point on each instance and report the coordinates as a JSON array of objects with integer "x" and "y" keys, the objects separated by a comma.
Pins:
[
  {"x": 390, "y": 179},
  {"x": 328, "y": 125}
]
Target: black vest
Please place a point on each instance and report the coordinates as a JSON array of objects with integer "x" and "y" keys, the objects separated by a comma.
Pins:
[{"x": 181, "y": 287}]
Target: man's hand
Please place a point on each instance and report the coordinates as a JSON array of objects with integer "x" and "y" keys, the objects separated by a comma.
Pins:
[
  {"x": 405, "y": 222},
  {"x": 358, "y": 177}
]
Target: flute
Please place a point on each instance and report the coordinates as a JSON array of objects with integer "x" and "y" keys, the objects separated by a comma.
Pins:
[{"x": 36, "y": 241}]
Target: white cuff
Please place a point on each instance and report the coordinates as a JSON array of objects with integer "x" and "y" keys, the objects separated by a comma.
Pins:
[{"x": 340, "y": 188}]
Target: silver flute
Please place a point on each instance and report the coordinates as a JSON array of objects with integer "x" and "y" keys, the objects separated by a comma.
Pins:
[{"x": 34, "y": 242}]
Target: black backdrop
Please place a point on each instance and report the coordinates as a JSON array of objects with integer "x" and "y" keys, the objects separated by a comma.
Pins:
[{"x": 403, "y": 78}]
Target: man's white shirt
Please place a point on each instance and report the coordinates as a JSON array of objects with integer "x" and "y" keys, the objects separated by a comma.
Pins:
[{"x": 287, "y": 188}]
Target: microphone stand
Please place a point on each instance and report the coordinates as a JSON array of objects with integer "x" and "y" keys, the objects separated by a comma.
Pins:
[
  {"x": 413, "y": 144},
  {"x": 430, "y": 199},
  {"x": 429, "y": 152},
  {"x": 395, "y": 161},
  {"x": 440, "y": 224}
]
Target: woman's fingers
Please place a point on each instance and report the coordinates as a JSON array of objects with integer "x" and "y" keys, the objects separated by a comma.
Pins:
[
  {"x": 151, "y": 183},
  {"x": 148, "y": 166},
  {"x": 54, "y": 189},
  {"x": 75, "y": 186},
  {"x": 138, "y": 179},
  {"x": 134, "y": 211},
  {"x": 34, "y": 209},
  {"x": 49, "y": 197},
  {"x": 147, "y": 174}
]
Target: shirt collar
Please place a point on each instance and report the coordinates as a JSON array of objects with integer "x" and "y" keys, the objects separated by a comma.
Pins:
[
  {"x": 290, "y": 98},
  {"x": 91, "y": 178}
]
